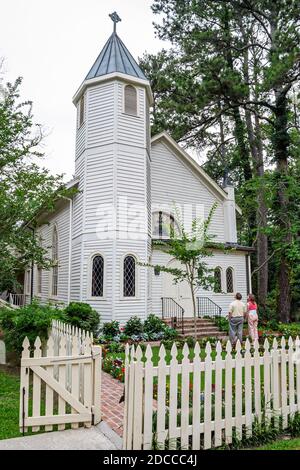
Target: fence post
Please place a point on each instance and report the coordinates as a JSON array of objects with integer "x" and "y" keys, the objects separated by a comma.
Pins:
[
  {"x": 24, "y": 387},
  {"x": 297, "y": 360},
  {"x": 126, "y": 392},
  {"x": 97, "y": 366},
  {"x": 148, "y": 401},
  {"x": 291, "y": 376}
]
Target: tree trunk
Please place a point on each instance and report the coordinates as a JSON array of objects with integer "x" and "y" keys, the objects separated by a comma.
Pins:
[
  {"x": 281, "y": 146},
  {"x": 195, "y": 312}
]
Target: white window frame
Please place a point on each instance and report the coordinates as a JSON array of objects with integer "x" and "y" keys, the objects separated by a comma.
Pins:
[
  {"x": 28, "y": 282},
  {"x": 169, "y": 214},
  {"x": 89, "y": 295},
  {"x": 136, "y": 297},
  {"x": 39, "y": 269},
  {"x": 137, "y": 115}
]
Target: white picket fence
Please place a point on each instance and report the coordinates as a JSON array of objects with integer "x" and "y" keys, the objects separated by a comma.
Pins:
[
  {"x": 61, "y": 383},
  {"x": 202, "y": 403}
]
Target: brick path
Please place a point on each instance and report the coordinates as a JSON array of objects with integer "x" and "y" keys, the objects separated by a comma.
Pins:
[{"x": 112, "y": 410}]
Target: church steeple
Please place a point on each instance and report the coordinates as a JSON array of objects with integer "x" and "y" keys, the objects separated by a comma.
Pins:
[{"x": 115, "y": 57}]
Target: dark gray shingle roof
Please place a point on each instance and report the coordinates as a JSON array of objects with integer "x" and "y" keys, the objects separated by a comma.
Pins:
[{"x": 115, "y": 57}]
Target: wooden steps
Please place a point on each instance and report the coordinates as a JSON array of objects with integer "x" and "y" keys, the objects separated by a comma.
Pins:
[{"x": 205, "y": 328}]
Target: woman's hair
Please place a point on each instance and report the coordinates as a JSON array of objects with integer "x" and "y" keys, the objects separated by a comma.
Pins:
[
  {"x": 251, "y": 298},
  {"x": 238, "y": 296}
]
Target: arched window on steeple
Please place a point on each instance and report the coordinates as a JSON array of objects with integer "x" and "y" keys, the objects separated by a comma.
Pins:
[{"x": 130, "y": 100}]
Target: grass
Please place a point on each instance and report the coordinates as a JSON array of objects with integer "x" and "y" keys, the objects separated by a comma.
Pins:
[
  {"x": 9, "y": 404},
  {"x": 282, "y": 444},
  {"x": 155, "y": 360}
]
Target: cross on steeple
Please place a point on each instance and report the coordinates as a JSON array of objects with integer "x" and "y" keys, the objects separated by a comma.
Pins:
[{"x": 115, "y": 18}]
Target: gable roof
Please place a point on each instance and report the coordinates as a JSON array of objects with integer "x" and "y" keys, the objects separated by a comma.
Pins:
[
  {"x": 165, "y": 137},
  {"x": 115, "y": 57}
]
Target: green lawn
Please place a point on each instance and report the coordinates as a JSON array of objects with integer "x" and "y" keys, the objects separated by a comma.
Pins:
[
  {"x": 9, "y": 405},
  {"x": 286, "y": 444}
]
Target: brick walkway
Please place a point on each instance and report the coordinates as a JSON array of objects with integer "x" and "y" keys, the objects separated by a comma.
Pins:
[{"x": 112, "y": 410}]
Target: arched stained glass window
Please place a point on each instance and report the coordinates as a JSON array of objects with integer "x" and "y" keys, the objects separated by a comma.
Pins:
[
  {"x": 129, "y": 276},
  {"x": 164, "y": 225},
  {"x": 229, "y": 281},
  {"x": 218, "y": 280},
  {"x": 97, "y": 276}
]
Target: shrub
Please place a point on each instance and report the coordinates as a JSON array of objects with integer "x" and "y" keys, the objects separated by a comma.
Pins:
[
  {"x": 111, "y": 329},
  {"x": 83, "y": 316},
  {"x": 114, "y": 347},
  {"x": 222, "y": 323},
  {"x": 134, "y": 326},
  {"x": 153, "y": 324},
  {"x": 190, "y": 340},
  {"x": 32, "y": 320},
  {"x": 170, "y": 333}
]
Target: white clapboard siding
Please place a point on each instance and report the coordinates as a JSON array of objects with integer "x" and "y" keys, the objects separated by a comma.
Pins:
[
  {"x": 235, "y": 260},
  {"x": 170, "y": 178},
  {"x": 67, "y": 351},
  {"x": 248, "y": 386},
  {"x": 61, "y": 220}
]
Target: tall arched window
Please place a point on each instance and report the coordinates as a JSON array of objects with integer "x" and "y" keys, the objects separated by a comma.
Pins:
[
  {"x": 97, "y": 276},
  {"x": 218, "y": 280},
  {"x": 129, "y": 276},
  {"x": 229, "y": 281},
  {"x": 164, "y": 225},
  {"x": 130, "y": 100},
  {"x": 54, "y": 261}
]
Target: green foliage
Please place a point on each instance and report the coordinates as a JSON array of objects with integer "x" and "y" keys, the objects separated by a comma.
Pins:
[
  {"x": 294, "y": 425},
  {"x": 153, "y": 324},
  {"x": 32, "y": 320},
  {"x": 134, "y": 326},
  {"x": 190, "y": 341},
  {"x": 114, "y": 366},
  {"x": 222, "y": 323},
  {"x": 25, "y": 188},
  {"x": 111, "y": 329},
  {"x": 83, "y": 316}
]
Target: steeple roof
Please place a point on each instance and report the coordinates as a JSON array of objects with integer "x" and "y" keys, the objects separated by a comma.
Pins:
[{"x": 115, "y": 57}]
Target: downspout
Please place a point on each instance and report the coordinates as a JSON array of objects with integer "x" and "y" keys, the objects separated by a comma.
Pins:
[{"x": 70, "y": 246}]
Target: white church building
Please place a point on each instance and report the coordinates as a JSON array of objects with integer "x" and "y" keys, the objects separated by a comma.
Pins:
[{"x": 129, "y": 185}]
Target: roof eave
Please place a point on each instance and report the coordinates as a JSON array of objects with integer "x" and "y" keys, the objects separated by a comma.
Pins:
[{"x": 111, "y": 76}]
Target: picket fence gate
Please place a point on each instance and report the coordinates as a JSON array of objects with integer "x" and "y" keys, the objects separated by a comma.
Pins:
[
  {"x": 61, "y": 383},
  {"x": 201, "y": 403}
]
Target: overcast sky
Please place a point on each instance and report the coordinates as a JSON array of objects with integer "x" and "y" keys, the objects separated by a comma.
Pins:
[{"x": 52, "y": 44}]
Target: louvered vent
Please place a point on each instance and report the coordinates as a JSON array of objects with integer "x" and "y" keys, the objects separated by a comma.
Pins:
[{"x": 130, "y": 100}]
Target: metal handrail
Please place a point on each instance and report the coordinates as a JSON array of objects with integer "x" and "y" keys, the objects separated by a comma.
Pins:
[
  {"x": 206, "y": 306},
  {"x": 171, "y": 309}
]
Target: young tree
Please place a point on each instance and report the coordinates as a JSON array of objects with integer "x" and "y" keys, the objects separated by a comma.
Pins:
[
  {"x": 25, "y": 187},
  {"x": 239, "y": 60},
  {"x": 191, "y": 248}
]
